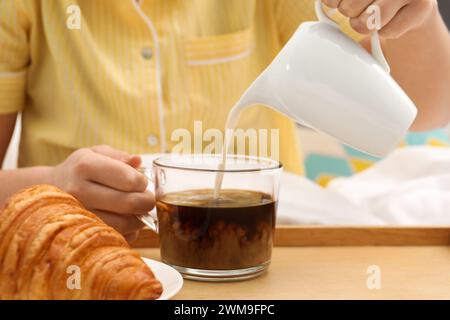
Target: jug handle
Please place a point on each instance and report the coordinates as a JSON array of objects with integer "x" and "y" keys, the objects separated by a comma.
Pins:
[{"x": 377, "y": 51}]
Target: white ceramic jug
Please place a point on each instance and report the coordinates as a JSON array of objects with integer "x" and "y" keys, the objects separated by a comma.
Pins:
[{"x": 324, "y": 79}]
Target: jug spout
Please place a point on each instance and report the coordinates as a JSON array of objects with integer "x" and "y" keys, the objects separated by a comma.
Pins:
[{"x": 261, "y": 91}]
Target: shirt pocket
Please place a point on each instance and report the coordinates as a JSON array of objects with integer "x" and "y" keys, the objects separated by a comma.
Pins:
[
  {"x": 219, "y": 68},
  {"x": 219, "y": 49}
]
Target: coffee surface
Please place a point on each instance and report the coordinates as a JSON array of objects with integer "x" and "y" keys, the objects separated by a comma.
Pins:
[
  {"x": 231, "y": 231},
  {"x": 226, "y": 199}
]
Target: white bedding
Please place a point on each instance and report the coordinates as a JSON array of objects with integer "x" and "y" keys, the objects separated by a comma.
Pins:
[{"x": 409, "y": 187}]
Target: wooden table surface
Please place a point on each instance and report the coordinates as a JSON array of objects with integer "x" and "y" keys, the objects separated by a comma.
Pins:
[{"x": 407, "y": 272}]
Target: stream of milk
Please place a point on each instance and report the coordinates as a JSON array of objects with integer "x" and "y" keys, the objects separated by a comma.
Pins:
[{"x": 231, "y": 123}]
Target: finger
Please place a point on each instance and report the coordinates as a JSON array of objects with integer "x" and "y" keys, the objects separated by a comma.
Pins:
[
  {"x": 135, "y": 161},
  {"x": 387, "y": 9},
  {"x": 353, "y": 8},
  {"x": 115, "y": 174},
  {"x": 406, "y": 20},
  {"x": 131, "y": 237},
  {"x": 132, "y": 160},
  {"x": 331, "y": 3},
  {"x": 126, "y": 203},
  {"x": 123, "y": 224},
  {"x": 111, "y": 152}
]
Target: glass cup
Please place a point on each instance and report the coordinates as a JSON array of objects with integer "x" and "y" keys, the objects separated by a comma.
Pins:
[{"x": 215, "y": 237}]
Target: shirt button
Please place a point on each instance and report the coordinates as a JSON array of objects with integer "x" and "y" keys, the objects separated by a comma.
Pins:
[
  {"x": 152, "y": 140},
  {"x": 147, "y": 53}
]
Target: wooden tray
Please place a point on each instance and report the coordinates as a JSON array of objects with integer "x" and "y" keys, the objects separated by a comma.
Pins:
[
  {"x": 298, "y": 236},
  {"x": 407, "y": 272}
]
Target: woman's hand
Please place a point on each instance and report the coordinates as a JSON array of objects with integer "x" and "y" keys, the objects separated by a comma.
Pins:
[
  {"x": 106, "y": 181},
  {"x": 397, "y": 17}
]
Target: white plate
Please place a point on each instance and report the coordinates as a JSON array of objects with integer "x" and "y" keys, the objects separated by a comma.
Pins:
[{"x": 171, "y": 279}]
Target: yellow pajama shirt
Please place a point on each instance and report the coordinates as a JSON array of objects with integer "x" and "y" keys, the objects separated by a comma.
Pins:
[{"x": 134, "y": 73}]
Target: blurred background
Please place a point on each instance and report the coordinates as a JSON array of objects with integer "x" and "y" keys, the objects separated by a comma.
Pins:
[{"x": 444, "y": 6}]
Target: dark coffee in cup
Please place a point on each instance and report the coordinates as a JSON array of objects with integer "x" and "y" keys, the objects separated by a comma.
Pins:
[{"x": 233, "y": 231}]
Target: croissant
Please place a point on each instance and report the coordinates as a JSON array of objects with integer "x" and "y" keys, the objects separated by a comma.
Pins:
[{"x": 52, "y": 248}]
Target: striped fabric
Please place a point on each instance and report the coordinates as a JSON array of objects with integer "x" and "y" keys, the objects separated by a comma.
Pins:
[{"x": 136, "y": 71}]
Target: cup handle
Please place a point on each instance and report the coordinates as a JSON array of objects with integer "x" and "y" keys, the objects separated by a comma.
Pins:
[
  {"x": 377, "y": 51},
  {"x": 147, "y": 219}
]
